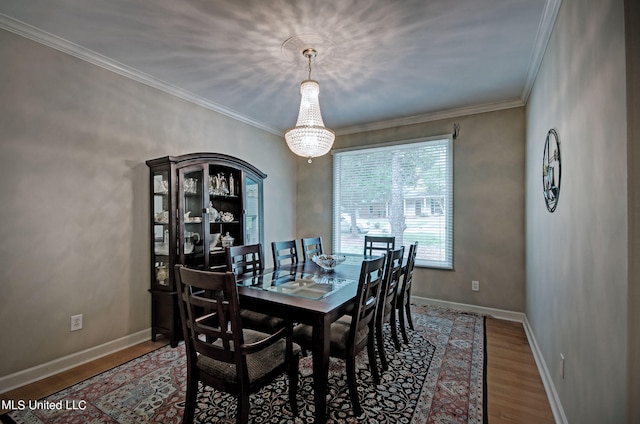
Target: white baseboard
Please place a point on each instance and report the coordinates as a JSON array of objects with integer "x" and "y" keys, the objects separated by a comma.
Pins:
[
  {"x": 497, "y": 313},
  {"x": 549, "y": 387},
  {"x": 56, "y": 366}
]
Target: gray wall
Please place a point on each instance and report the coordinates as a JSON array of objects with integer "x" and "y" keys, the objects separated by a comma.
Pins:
[
  {"x": 74, "y": 214},
  {"x": 632, "y": 30},
  {"x": 577, "y": 257},
  {"x": 488, "y": 206}
]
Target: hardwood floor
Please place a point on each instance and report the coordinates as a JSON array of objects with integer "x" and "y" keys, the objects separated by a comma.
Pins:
[
  {"x": 515, "y": 393},
  {"x": 57, "y": 382},
  {"x": 514, "y": 387}
]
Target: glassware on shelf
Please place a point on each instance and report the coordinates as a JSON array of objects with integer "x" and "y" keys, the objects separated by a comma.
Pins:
[
  {"x": 219, "y": 185},
  {"x": 162, "y": 274},
  {"x": 213, "y": 213},
  {"x": 190, "y": 186},
  {"x": 162, "y": 248},
  {"x": 227, "y": 241},
  {"x": 161, "y": 186},
  {"x": 214, "y": 241},
  {"x": 190, "y": 241},
  {"x": 162, "y": 217}
]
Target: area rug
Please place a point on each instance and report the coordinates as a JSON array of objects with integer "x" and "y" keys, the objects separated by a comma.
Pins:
[{"x": 438, "y": 377}]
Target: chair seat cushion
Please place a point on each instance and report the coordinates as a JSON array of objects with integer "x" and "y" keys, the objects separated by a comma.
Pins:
[
  {"x": 258, "y": 364},
  {"x": 261, "y": 322},
  {"x": 339, "y": 334}
]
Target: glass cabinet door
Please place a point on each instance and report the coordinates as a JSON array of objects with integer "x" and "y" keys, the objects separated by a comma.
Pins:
[
  {"x": 191, "y": 218},
  {"x": 252, "y": 205},
  {"x": 161, "y": 229},
  {"x": 225, "y": 212}
]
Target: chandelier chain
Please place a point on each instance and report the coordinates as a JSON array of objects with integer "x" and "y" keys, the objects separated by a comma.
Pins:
[{"x": 309, "y": 53}]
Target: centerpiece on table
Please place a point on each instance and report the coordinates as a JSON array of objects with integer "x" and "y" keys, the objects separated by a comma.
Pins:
[{"x": 328, "y": 262}]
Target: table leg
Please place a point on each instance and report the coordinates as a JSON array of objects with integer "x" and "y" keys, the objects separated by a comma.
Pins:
[{"x": 322, "y": 336}]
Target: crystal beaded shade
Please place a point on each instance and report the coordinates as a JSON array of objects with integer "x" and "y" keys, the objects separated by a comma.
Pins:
[{"x": 309, "y": 138}]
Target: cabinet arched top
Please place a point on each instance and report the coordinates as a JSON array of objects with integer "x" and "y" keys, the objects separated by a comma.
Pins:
[{"x": 211, "y": 158}]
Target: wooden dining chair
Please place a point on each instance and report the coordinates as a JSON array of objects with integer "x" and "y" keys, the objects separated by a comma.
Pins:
[
  {"x": 351, "y": 333},
  {"x": 386, "y": 310},
  {"x": 284, "y": 253},
  {"x": 311, "y": 246},
  {"x": 221, "y": 353},
  {"x": 403, "y": 298},
  {"x": 247, "y": 259},
  {"x": 375, "y": 245}
]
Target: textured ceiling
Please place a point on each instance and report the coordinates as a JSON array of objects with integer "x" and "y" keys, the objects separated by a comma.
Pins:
[{"x": 379, "y": 61}]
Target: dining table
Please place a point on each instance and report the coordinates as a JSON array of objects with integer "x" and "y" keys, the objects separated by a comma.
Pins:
[{"x": 305, "y": 293}]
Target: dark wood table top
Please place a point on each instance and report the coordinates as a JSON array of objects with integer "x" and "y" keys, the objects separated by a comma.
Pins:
[{"x": 301, "y": 287}]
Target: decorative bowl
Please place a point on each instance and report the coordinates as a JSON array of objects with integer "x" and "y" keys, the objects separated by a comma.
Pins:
[{"x": 328, "y": 262}]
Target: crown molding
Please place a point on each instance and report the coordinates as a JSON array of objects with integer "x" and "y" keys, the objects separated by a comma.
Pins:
[
  {"x": 428, "y": 117},
  {"x": 543, "y": 35},
  {"x": 35, "y": 34},
  {"x": 549, "y": 15}
]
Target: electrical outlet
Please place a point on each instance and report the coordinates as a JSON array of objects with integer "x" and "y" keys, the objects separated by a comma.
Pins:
[
  {"x": 76, "y": 322},
  {"x": 562, "y": 366},
  {"x": 475, "y": 285}
]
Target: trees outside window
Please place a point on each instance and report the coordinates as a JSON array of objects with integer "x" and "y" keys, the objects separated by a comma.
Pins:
[{"x": 400, "y": 189}]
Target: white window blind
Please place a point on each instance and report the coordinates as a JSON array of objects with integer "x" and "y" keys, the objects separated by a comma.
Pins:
[{"x": 401, "y": 189}]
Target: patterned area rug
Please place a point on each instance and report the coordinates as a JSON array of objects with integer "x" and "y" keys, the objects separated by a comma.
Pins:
[{"x": 439, "y": 377}]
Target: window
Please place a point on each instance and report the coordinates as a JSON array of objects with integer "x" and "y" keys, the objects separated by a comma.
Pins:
[{"x": 400, "y": 189}]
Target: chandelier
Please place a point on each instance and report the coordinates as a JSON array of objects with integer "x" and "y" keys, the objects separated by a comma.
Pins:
[{"x": 309, "y": 138}]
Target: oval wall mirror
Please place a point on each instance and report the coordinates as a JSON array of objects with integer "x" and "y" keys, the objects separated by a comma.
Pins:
[{"x": 551, "y": 170}]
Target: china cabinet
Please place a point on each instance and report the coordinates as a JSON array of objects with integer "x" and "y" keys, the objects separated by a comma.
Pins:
[{"x": 200, "y": 202}]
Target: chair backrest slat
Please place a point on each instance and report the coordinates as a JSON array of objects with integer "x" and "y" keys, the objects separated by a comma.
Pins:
[
  {"x": 369, "y": 286},
  {"x": 392, "y": 274},
  {"x": 245, "y": 259},
  {"x": 214, "y": 337},
  {"x": 210, "y": 312},
  {"x": 311, "y": 246},
  {"x": 405, "y": 288},
  {"x": 284, "y": 252},
  {"x": 374, "y": 245}
]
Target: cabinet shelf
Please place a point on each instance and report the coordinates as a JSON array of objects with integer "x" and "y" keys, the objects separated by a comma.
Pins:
[{"x": 221, "y": 196}]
